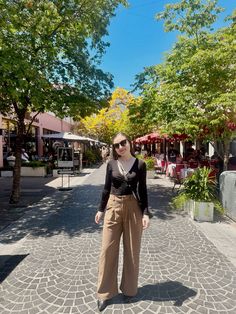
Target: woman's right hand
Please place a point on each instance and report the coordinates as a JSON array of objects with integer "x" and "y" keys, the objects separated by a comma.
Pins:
[{"x": 98, "y": 217}]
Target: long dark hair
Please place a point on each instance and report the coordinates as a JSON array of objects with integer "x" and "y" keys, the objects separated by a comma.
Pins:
[{"x": 114, "y": 153}]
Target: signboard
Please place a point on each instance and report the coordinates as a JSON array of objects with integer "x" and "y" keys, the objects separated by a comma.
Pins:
[{"x": 65, "y": 157}]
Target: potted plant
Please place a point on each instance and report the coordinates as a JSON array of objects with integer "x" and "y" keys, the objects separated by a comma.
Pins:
[
  {"x": 198, "y": 195},
  {"x": 89, "y": 157},
  {"x": 150, "y": 163},
  {"x": 33, "y": 168}
]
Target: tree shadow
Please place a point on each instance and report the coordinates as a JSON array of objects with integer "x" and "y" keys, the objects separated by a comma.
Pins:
[
  {"x": 33, "y": 190},
  {"x": 81, "y": 174},
  {"x": 8, "y": 263},
  {"x": 72, "y": 212},
  {"x": 169, "y": 291},
  {"x": 159, "y": 201}
]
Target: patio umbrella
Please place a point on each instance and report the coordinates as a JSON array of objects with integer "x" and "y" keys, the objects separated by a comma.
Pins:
[
  {"x": 66, "y": 136},
  {"x": 155, "y": 137}
]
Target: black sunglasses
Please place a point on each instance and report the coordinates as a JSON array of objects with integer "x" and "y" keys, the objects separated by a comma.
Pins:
[{"x": 122, "y": 143}]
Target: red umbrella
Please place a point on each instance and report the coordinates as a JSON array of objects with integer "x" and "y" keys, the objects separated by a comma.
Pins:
[
  {"x": 143, "y": 139},
  {"x": 154, "y": 137},
  {"x": 157, "y": 137}
]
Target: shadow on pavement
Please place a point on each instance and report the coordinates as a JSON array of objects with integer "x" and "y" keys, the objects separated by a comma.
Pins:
[
  {"x": 76, "y": 216},
  {"x": 72, "y": 212},
  {"x": 8, "y": 263},
  {"x": 170, "y": 291},
  {"x": 166, "y": 291},
  {"x": 33, "y": 190},
  {"x": 159, "y": 201},
  {"x": 82, "y": 174}
]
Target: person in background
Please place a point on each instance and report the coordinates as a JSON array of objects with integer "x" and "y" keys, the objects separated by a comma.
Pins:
[
  {"x": 189, "y": 152},
  {"x": 172, "y": 154},
  {"x": 104, "y": 153},
  {"x": 11, "y": 159},
  {"x": 198, "y": 156},
  {"x": 232, "y": 162},
  {"x": 125, "y": 199},
  {"x": 24, "y": 156}
]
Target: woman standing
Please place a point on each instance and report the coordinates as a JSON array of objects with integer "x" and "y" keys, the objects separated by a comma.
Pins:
[{"x": 125, "y": 199}]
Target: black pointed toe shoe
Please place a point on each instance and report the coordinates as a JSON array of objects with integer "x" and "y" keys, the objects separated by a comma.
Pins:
[
  {"x": 102, "y": 304},
  {"x": 127, "y": 298}
]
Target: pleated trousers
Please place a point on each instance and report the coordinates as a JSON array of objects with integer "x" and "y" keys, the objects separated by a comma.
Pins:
[{"x": 123, "y": 217}]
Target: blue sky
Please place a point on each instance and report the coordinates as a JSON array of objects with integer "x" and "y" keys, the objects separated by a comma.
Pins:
[{"x": 138, "y": 40}]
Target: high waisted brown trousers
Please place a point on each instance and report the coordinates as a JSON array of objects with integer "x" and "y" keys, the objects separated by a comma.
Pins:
[{"x": 123, "y": 217}]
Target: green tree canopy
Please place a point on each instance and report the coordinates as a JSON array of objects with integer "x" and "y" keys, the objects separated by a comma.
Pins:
[
  {"x": 191, "y": 17},
  {"x": 49, "y": 52},
  {"x": 193, "y": 90}
]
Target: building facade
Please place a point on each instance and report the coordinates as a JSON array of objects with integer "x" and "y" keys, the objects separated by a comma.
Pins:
[{"x": 45, "y": 123}]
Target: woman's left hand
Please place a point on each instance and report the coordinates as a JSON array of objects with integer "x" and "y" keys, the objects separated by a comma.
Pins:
[{"x": 146, "y": 221}]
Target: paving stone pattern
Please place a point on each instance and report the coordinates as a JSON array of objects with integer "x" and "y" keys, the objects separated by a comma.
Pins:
[{"x": 54, "y": 269}]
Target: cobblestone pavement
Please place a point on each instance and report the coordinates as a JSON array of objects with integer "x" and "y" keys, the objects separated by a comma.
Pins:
[{"x": 55, "y": 250}]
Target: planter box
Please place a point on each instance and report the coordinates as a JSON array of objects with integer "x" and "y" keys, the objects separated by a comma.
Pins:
[
  {"x": 26, "y": 172},
  {"x": 150, "y": 174},
  {"x": 202, "y": 211},
  {"x": 55, "y": 173},
  {"x": 33, "y": 172},
  {"x": 189, "y": 206},
  {"x": 6, "y": 173}
]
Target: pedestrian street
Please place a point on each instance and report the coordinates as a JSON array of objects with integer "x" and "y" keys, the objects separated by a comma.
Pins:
[{"x": 50, "y": 259}]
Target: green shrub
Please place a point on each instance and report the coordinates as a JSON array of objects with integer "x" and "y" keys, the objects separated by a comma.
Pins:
[
  {"x": 6, "y": 168},
  {"x": 34, "y": 164},
  {"x": 90, "y": 156},
  {"x": 139, "y": 156},
  {"x": 97, "y": 155},
  {"x": 199, "y": 187},
  {"x": 150, "y": 162},
  {"x": 179, "y": 201}
]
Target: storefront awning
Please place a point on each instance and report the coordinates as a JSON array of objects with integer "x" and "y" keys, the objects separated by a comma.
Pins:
[
  {"x": 157, "y": 137},
  {"x": 66, "y": 136}
]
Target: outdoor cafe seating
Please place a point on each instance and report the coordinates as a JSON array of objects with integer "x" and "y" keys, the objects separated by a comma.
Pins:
[
  {"x": 160, "y": 166},
  {"x": 182, "y": 168},
  {"x": 179, "y": 172}
]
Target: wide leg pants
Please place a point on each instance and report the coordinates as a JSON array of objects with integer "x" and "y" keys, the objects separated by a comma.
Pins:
[{"x": 123, "y": 217}]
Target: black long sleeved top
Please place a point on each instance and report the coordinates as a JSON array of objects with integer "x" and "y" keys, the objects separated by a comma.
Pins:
[{"x": 119, "y": 184}]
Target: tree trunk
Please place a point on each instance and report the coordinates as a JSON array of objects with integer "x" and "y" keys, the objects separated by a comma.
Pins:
[
  {"x": 222, "y": 148},
  {"x": 226, "y": 145},
  {"x": 15, "y": 193}
]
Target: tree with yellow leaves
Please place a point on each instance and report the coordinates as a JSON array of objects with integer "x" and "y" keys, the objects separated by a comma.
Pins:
[{"x": 108, "y": 121}]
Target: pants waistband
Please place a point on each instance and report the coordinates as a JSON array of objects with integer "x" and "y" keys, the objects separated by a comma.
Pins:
[{"x": 123, "y": 197}]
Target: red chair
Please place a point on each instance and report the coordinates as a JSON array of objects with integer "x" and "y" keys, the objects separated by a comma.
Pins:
[
  {"x": 193, "y": 164},
  {"x": 205, "y": 163},
  {"x": 178, "y": 167},
  {"x": 160, "y": 167},
  {"x": 213, "y": 162},
  {"x": 176, "y": 176},
  {"x": 163, "y": 164},
  {"x": 213, "y": 173}
]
